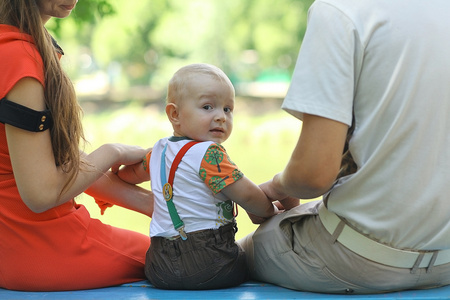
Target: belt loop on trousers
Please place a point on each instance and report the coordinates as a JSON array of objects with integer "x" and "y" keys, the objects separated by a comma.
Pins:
[
  {"x": 218, "y": 235},
  {"x": 417, "y": 263},
  {"x": 432, "y": 261},
  {"x": 337, "y": 232}
]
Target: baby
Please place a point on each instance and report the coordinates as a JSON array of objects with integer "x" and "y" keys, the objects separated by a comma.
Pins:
[{"x": 195, "y": 184}]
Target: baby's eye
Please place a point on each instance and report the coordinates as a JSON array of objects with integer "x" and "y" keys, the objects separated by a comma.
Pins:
[
  {"x": 207, "y": 107},
  {"x": 228, "y": 110}
]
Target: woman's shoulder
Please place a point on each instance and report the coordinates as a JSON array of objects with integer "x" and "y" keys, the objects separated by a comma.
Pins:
[
  {"x": 14, "y": 42},
  {"x": 19, "y": 57}
]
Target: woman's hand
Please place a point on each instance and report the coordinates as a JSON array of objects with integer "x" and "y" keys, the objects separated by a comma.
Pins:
[{"x": 127, "y": 155}]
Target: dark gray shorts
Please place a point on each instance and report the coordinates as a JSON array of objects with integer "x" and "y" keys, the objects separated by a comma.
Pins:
[{"x": 208, "y": 259}]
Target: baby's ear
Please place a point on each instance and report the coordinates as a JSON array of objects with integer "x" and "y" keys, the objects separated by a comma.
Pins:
[{"x": 172, "y": 113}]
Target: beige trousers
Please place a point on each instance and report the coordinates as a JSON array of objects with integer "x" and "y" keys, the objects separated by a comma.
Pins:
[{"x": 295, "y": 251}]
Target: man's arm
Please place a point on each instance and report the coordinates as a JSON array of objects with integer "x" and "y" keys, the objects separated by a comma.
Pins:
[{"x": 315, "y": 161}]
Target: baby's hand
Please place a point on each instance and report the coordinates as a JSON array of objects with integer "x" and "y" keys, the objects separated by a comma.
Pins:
[
  {"x": 126, "y": 173},
  {"x": 256, "y": 219},
  {"x": 277, "y": 208},
  {"x": 288, "y": 203},
  {"x": 133, "y": 174}
]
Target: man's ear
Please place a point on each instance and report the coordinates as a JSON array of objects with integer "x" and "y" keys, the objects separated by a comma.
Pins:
[{"x": 172, "y": 113}]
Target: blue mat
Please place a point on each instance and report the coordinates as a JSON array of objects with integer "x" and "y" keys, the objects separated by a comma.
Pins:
[{"x": 251, "y": 290}]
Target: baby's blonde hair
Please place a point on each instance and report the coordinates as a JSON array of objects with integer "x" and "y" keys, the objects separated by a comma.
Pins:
[{"x": 177, "y": 84}]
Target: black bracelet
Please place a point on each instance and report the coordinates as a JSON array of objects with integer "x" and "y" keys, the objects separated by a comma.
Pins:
[{"x": 24, "y": 117}]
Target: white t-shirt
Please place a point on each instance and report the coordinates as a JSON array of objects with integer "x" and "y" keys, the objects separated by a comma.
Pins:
[
  {"x": 203, "y": 172},
  {"x": 389, "y": 61}
]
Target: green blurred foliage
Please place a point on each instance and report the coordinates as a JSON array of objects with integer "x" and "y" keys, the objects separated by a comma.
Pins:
[
  {"x": 144, "y": 42},
  {"x": 86, "y": 13},
  {"x": 260, "y": 145},
  {"x": 147, "y": 40}
]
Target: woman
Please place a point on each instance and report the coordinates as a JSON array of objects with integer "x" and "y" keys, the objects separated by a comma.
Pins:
[{"x": 47, "y": 241}]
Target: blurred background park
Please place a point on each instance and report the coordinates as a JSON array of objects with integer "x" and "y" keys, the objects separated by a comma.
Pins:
[{"x": 121, "y": 54}]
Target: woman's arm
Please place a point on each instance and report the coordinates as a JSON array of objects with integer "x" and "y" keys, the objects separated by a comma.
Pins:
[{"x": 38, "y": 179}]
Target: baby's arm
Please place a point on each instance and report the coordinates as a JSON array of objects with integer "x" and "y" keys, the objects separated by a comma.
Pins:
[
  {"x": 248, "y": 195},
  {"x": 222, "y": 175},
  {"x": 137, "y": 173}
]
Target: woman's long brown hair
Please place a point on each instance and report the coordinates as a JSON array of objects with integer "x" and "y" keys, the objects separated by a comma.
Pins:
[{"x": 60, "y": 98}]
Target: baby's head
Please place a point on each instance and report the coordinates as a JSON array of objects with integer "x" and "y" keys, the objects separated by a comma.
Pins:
[
  {"x": 181, "y": 81},
  {"x": 200, "y": 103}
]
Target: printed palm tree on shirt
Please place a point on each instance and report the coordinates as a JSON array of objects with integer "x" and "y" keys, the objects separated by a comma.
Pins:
[{"x": 214, "y": 157}]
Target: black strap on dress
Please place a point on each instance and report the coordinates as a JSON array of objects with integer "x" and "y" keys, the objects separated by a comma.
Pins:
[{"x": 24, "y": 117}]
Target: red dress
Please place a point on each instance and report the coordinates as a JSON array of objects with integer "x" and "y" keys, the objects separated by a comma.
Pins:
[{"x": 62, "y": 248}]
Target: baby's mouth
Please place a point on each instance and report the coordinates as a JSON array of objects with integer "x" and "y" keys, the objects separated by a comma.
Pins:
[{"x": 217, "y": 130}]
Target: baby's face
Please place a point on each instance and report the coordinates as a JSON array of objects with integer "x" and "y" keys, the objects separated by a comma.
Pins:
[{"x": 206, "y": 110}]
